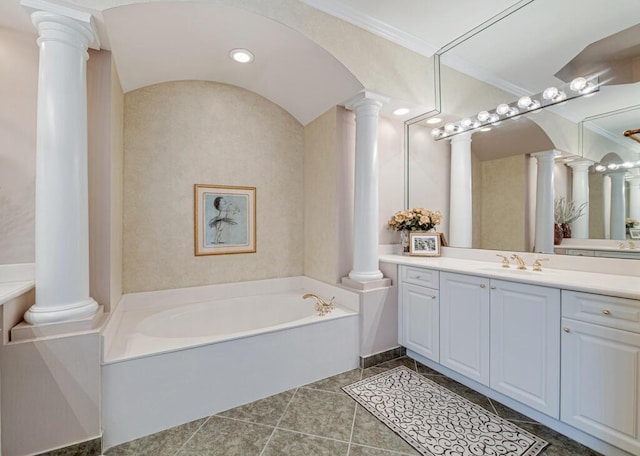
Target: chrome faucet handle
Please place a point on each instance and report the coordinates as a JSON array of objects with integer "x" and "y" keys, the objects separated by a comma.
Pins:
[
  {"x": 520, "y": 260},
  {"x": 505, "y": 260},
  {"x": 536, "y": 264}
]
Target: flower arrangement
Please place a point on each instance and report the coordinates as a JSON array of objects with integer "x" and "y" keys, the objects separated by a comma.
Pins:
[
  {"x": 566, "y": 211},
  {"x": 630, "y": 223},
  {"x": 416, "y": 219}
]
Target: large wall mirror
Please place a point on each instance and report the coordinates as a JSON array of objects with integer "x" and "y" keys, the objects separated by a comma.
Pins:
[{"x": 539, "y": 44}]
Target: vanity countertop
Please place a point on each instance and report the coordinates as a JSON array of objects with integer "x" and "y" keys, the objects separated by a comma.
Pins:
[
  {"x": 623, "y": 286},
  {"x": 9, "y": 290}
]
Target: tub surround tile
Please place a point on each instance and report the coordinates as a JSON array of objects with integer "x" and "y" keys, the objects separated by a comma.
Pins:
[
  {"x": 221, "y": 436},
  {"x": 164, "y": 443},
  {"x": 264, "y": 411},
  {"x": 370, "y": 431},
  {"x": 379, "y": 358},
  {"x": 295, "y": 444},
  {"x": 320, "y": 413},
  {"x": 335, "y": 383},
  {"x": 88, "y": 448}
]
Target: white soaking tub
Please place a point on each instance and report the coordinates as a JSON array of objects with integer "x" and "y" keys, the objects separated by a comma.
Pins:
[{"x": 173, "y": 356}]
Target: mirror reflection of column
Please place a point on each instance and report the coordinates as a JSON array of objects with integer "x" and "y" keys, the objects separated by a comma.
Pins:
[
  {"x": 544, "y": 202},
  {"x": 618, "y": 231},
  {"x": 580, "y": 190},
  {"x": 634, "y": 197},
  {"x": 460, "y": 207}
]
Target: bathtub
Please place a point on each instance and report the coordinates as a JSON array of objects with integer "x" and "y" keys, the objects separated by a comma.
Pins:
[{"x": 174, "y": 356}]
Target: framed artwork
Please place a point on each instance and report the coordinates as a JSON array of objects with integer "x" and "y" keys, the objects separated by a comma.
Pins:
[
  {"x": 225, "y": 219},
  {"x": 424, "y": 243},
  {"x": 634, "y": 233}
]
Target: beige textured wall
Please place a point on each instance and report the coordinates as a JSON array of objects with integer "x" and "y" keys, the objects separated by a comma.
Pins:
[
  {"x": 179, "y": 134},
  {"x": 502, "y": 215},
  {"x": 18, "y": 92},
  {"x": 117, "y": 170},
  {"x": 320, "y": 202},
  {"x": 596, "y": 206}
]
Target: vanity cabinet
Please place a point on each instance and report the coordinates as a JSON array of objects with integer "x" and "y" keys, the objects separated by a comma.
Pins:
[
  {"x": 601, "y": 367},
  {"x": 464, "y": 325},
  {"x": 420, "y": 312},
  {"x": 525, "y": 344}
]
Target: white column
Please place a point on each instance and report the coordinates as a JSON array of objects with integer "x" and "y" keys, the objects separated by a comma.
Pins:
[
  {"x": 580, "y": 195},
  {"x": 618, "y": 231},
  {"x": 366, "y": 221},
  {"x": 460, "y": 206},
  {"x": 606, "y": 206},
  {"x": 544, "y": 202},
  {"x": 62, "y": 223},
  {"x": 634, "y": 197}
]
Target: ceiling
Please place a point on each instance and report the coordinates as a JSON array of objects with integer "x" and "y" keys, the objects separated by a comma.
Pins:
[{"x": 526, "y": 44}]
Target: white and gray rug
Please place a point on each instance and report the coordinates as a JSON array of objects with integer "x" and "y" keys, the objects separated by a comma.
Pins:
[{"x": 438, "y": 422}]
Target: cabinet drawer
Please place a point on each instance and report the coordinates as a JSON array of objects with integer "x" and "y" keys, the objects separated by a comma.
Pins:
[
  {"x": 419, "y": 276},
  {"x": 579, "y": 252},
  {"x": 608, "y": 311}
]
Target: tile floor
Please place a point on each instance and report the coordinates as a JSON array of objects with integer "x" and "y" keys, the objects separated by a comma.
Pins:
[{"x": 317, "y": 419}]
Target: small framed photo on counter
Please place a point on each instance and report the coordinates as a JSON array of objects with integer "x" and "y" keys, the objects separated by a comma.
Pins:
[
  {"x": 424, "y": 243},
  {"x": 634, "y": 233}
]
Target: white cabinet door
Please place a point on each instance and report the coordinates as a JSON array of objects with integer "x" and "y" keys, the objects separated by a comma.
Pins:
[
  {"x": 525, "y": 344},
  {"x": 601, "y": 382},
  {"x": 464, "y": 325},
  {"x": 420, "y": 320}
]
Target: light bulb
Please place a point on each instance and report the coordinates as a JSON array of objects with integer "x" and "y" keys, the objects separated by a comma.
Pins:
[
  {"x": 550, "y": 93},
  {"x": 241, "y": 55},
  {"x": 493, "y": 118},
  {"x": 467, "y": 122},
  {"x": 524, "y": 102},
  {"x": 627, "y": 165},
  {"x": 578, "y": 84},
  {"x": 561, "y": 96},
  {"x": 612, "y": 166},
  {"x": 534, "y": 105},
  {"x": 483, "y": 116},
  {"x": 513, "y": 111},
  {"x": 436, "y": 132},
  {"x": 400, "y": 111},
  {"x": 600, "y": 168},
  {"x": 502, "y": 109},
  {"x": 450, "y": 128}
]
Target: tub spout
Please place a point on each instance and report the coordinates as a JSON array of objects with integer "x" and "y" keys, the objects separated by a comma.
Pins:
[{"x": 322, "y": 307}]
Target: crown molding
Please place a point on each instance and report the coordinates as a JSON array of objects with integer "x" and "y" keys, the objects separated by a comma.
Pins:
[
  {"x": 616, "y": 139},
  {"x": 373, "y": 25}
]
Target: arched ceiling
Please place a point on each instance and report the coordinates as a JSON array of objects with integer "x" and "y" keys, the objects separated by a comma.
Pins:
[{"x": 192, "y": 40}]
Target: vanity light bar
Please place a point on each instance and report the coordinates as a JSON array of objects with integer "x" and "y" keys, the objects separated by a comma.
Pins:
[
  {"x": 579, "y": 87},
  {"x": 604, "y": 167}
]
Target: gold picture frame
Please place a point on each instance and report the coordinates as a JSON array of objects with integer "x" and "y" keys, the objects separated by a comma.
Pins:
[
  {"x": 424, "y": 243},
  {"x": 224, "y": 219}
]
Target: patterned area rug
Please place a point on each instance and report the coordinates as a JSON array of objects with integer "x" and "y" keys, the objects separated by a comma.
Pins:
[{"x": 438, "y": 422}]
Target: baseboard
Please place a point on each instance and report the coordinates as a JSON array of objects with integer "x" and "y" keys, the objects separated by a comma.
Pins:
[
  {"x": 382, "y": 357},
  {"x": 91, "y": 447}
]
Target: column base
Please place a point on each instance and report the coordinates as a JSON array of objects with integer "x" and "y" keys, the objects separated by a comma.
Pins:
[
  {"x": 42, "y": 315},
  {"x": 366, "y": 286}
]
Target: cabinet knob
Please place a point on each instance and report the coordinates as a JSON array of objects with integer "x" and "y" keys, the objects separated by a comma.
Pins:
[
  {"x": 493, "y": 287},
  {"x": 606, "y": 312},
  {"x": 418, "y": 277},
  {"x": 566, "y": 329},
  {"x": 433, "y": 297},
  {"x": 482, "y": 285}
]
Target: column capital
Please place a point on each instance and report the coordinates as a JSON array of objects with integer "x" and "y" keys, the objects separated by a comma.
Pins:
[
  {"x": 366, "y": 98},
  {"x": 580, "y": 165},
  {"x": 547, "y": 155},
  {"x": 44, "y": 12}
]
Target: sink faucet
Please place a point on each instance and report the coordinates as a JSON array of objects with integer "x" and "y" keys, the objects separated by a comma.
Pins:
[
  {"x": 537, "y": 266},
  {"x": 322, "y": 307},
  {"x": 505, "y": 260},
  {"x": 520, "y": 260}
]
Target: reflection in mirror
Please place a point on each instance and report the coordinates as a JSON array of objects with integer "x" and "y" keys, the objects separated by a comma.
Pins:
[{"x": 503, "y": 174}]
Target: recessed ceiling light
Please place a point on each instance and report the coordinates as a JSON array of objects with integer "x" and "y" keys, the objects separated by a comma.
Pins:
[
  {"x": 241, "y": 55},
  {"x": 434, "y": 120},
  {"x": 400, "y": 111}
]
